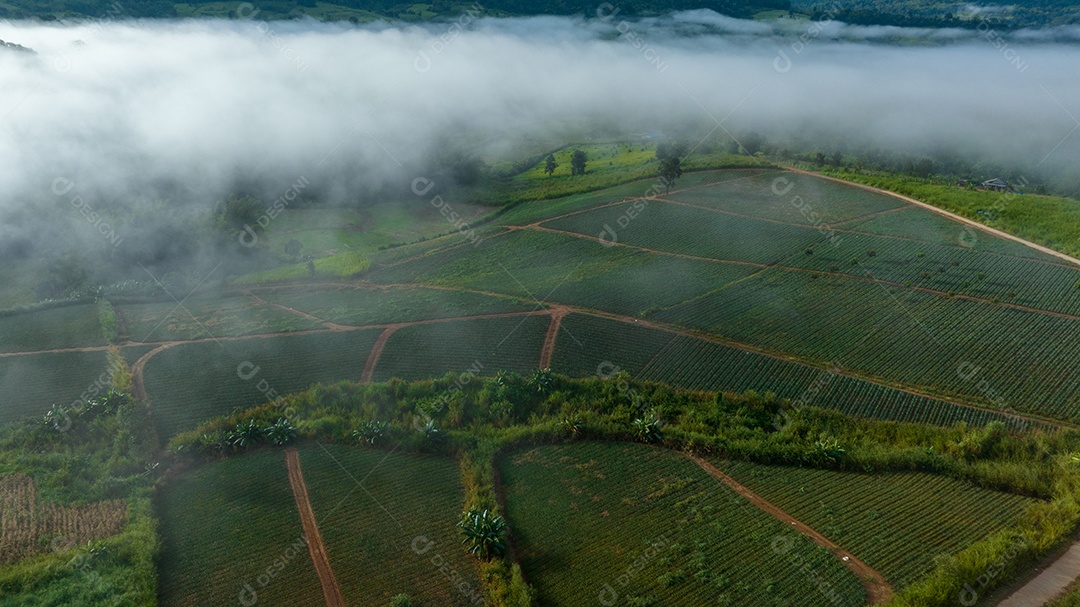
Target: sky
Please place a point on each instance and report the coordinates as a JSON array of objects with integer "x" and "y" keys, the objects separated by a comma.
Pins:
[{"x": 193, "y": 110}]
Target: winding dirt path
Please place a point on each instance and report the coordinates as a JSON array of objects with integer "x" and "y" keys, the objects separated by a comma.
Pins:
[
  {"x": 878, "y": 591},
  {"x": 557, "y": 315},
  {"x": 376, "y": 353},
  {"x": 316, "y": 548}
]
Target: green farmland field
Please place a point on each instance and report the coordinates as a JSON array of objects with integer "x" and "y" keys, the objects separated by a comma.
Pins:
[
  {"x": 372, "y": 507},
  {"x": 887, "y": 331},
  {"x": 584, "y": 513},
  {"x": 226, "y": 523},
  {"x": 60, "y": 327},
  {"x": 897, "y": 523},
  {"x": 206, "y": 318},
  {"x": 190, "y": 383},
  {"x": 566, "y": 269},
  {"x": 431, "y": 350},
  {"x": 366, "y": 306},
  {"x": 701, "y": 365},
  {"x": 589, "y": 346},
  {"x": 32, "y": 383}
]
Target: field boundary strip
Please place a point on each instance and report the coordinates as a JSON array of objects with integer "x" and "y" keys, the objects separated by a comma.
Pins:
[
  {"x": 878, "y": 591},
  {"x": 316, "y": 548}
]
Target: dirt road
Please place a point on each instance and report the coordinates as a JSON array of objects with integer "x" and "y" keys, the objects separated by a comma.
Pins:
[{"x": 316, "y": 548}]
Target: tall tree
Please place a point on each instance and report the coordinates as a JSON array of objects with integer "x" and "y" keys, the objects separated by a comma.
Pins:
[
  {"x": 550, "y": 165},
  {"x": 670, "y": 157},
  {"x": 577, "y": 162}
]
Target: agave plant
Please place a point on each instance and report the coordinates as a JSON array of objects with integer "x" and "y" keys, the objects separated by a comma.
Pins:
[{"x": 485, "y": 533}]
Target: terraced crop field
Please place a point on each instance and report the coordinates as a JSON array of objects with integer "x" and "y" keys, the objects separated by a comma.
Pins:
[
  {"x": 60, "y": 327},
  {"x": 789, "y": 197},
  {"x": 589, "y": 346},
  {"x": 208, "y": 318},
  {"x": 366, "y": 306},
  {"x": 529, "y": 212},
  {"x": 976, "y": 347},
  {"x": 32, "y": 383},
  {"x": 567, "y": 269},
  {"x": 585, "y": 514},
  {"x": 225, "y": 524},
  {"x": 190, "y": 383},
  {"x": 388, "y": 522},
  {"x": 489, "y": 344},
  {"x": 701, "y": 365},
  {"x": 898, "y": 523},
  {"x": 685, "y": 230}
]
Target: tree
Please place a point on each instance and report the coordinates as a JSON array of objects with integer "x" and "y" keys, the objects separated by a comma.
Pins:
[
  {"x": 550, "y": 165},
  {"x": 485, "y": 533},
  {"x": 293, "y": 248},
  {"x": 752, "y": 143},
  {"x": 577, "y": 162},
  {"x": 401, "y": 600},
  {"x": 670, "y": 170}
]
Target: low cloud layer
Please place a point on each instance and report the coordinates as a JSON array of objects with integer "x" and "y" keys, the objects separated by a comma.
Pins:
[{"x": 188, "y": 111}]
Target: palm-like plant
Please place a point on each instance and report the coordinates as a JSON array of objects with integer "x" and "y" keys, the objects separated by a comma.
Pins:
[
  {"x": 542, "y": 381},
  {"x": 485, "y": 533},
  {"x": 573, "y": 425},
  {"x": 281, "y": 432},
  {"x": 214, "y": 444},
  {"x": 246, "y": 434},
  {"x": 371, "y": 431},
  {"x": 647, "y": 429}
]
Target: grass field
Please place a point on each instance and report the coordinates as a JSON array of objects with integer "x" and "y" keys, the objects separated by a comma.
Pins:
[
  {"x": 206, "y": 317},
  {"x": 60, "y": 327},
  {"x": 431, "y": 350},
  {"x": 31, "y": 384},
  {"x": 365, "y": 306},
  {"x": 898, "y": 523},
  {"x": 225, "y": 524},
  {"x": 585, "y": 514},
  {"x": 372, "y": 506},
  {"x": 190, "y": 383}
]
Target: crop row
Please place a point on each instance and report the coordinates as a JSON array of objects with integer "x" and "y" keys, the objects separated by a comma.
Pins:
[
  {"x": 480, "y": 346},
  {"x": 190, "y": 383},
  {"x": 228, "y": 525},
  {"x": 628, "y": 523},
  {"x": 999, "y": 356},
  {"x": 567, "y": 269},
  {"x": 899, "y": 523},
  {"x": 364, "y": 306},
  {"x": 989, "y": 276},
  {"x": 790, "y": 197},
  {"x": 389, "y": 524},
  {"x": 589, "y": 346},
  {"x": 702, "y": 365},
  {"x": 30, "y": 384},
  {"x": 685, "y": 230}
]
